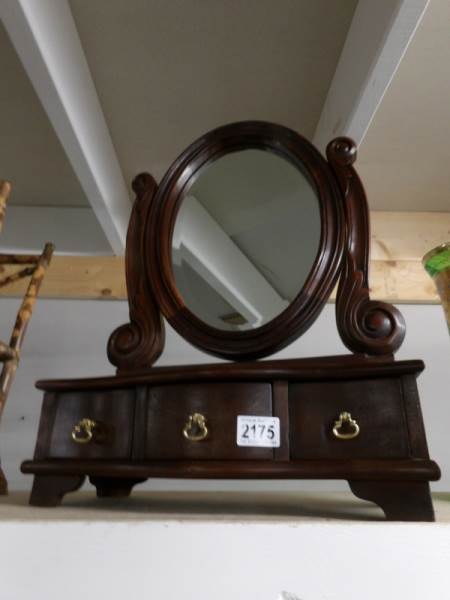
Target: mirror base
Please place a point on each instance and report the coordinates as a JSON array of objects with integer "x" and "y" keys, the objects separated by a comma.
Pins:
[{"x": 386, "y": 462}]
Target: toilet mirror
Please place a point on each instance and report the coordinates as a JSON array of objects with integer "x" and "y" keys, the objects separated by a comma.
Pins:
[
  {"x": 240, "y": 245},
  {"x": 245, "y": 239}
]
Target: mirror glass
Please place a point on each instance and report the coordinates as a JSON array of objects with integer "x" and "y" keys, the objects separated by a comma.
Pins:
[{"x": 245, "y": 239}]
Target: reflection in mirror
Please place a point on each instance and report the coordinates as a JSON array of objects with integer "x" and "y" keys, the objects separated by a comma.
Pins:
[{"x": 245, "y": 239}]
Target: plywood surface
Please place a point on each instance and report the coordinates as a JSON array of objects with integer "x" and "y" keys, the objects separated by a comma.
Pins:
[{"x": 399, "y": 241}]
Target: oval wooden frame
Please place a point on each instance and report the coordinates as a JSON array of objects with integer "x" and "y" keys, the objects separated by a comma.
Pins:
[{"x": 157, "y": 243}]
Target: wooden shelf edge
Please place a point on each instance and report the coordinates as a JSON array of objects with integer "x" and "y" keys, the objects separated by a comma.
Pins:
[
  {"x": 103, "y": 278},
  {"x": 406, "y": 469}
]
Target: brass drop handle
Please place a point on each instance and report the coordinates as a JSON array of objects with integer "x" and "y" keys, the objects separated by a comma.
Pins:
[
  {"x": 83, "y": 432},
  {"x": 346, "y": 423},
  {"x": 195, "y": 429}
]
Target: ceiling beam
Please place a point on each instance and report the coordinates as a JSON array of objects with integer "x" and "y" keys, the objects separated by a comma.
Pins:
[
  {"x": 378, "y": 37},
  {"x": 46, "y": 39}
]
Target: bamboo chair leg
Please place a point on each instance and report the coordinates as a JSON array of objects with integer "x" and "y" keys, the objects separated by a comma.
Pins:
[
  {"x": 5, "y": 189},
  {"x": 10, "y": 354}
]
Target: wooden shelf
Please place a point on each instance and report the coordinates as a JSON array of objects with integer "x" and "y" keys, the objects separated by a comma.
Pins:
[
  {"x": 399, "y": 240},
  {"x": 243, "y": 507},
  {"x": 245, "y": 546}
]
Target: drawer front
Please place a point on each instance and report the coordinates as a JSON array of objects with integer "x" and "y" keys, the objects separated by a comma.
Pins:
[
  {"x": 170, "y": 406},
  {"x": 113, "y": 413},
  {"x": 375, "y": 405}
]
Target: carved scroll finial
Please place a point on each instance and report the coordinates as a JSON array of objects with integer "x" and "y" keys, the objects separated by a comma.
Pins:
[
  {"x": 142, "y": 183},
  {"x": 137, "y": 344},
  {"x": 365, "y": 325},
  {"x": 342, "y": 151}
]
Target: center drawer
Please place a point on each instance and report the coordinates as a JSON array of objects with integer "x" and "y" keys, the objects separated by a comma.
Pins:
[{"x": 170, "y": 435}]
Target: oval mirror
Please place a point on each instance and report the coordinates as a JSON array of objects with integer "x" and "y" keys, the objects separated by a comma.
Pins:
[
  {"x": 244, "y": 239},
  {"x": 246, "y": 236}
]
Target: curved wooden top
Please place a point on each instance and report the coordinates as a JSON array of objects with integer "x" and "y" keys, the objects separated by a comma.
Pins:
[{"x": 304, "y": 369}]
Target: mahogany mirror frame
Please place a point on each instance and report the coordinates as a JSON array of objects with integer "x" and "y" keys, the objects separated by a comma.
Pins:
[{"x": 365, "y": 326}]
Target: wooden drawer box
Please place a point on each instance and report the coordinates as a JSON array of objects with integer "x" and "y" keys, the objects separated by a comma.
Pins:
[
  {"x": 387, "y": 462},
  {"x": 169, "y": 408},
  {"x": 376, "y": 405},
  {"x": 113, "y": 411}
]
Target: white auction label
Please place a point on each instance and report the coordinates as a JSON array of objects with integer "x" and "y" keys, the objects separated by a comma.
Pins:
[{"x": 258, "y": 431}]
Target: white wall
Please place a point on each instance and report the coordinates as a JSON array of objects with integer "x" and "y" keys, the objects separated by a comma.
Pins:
[{"x": 67, "y": 338}]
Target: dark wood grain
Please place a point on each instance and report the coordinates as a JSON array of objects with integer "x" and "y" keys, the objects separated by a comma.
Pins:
[
  {"x": 280, "y": 401},
  {"x": 399, "y": 500},
  {"x": 3, "y": 483},
  {"x": 49, "y": 489},
  {"x": 139, "y": 343},
  {"x": 364, "y": 325},
  {"x": 169, "y": 407},
  {"x": 140, "y": 422},
  {"x": 357, "y": 469},
  {"x": 376, "y": 405},
  {"x": 46, "y": 424},
  {"x": 112, "y": 410},
  {"x": 114, "y": 487},
  {"x": 414, "y": 419},
  {"x": 318, "y": 369}
]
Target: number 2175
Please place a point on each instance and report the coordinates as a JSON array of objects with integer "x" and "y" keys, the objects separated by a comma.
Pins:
[{"x": 258, "y": 431}]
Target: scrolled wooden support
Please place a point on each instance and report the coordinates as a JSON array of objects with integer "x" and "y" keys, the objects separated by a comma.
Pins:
[
  {"x": 365, "y": 326},
  {"x": 136, "y": 345}
]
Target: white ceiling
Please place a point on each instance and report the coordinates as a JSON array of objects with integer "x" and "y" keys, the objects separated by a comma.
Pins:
[
  {"x": 166, "y": 72},
  {"x": 404, "y": 160},
  {"x": 31, "y": 156}
]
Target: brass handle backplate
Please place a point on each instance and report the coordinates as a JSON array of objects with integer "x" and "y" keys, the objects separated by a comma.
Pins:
[
  {"x": 345, "y": 428},
  {"x": 83, "y": 432},
  {"x": 195, "y": 429}
]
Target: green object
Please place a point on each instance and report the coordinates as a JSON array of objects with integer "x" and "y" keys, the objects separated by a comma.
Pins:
[
  {"x": 437, "y": 265},
  {"x": 437, "y": 260}
]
